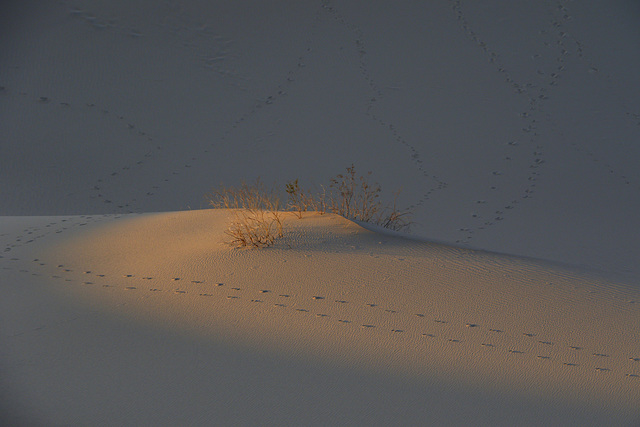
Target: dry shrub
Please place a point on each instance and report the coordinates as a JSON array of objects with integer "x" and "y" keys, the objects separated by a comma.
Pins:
[
  {"x": 255, "y": 228},
  {"x": 394, "y": 219},
  {"x": 247, "y": 196},
  {"x": 356, "y": 198},
  {"x": 353, "y": 197},
  {"x": 257, "y": 220},
  {"x": 300, "y": 200}
]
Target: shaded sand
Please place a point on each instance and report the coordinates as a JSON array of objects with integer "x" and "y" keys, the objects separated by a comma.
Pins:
[
  {"x": 509, "y": 126},
  {"x": 333, "y": 293}
]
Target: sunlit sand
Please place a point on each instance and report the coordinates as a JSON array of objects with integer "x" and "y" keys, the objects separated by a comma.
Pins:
[{"x": 511, "y": 130}]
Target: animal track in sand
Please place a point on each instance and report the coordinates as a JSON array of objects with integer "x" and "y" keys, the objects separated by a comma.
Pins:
[
  {"x": 536, "y": 90},
  {"x": 434, "y": 183},
  {"x": 406, "y": 321},
  {"x": 200, "y": 41},
  {"x": 119, "y": 121}
]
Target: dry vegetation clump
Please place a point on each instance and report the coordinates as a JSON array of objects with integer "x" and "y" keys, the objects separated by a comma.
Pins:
[
  {"x": 358, "y": 199},
  {"x": 352, "y": 197},
  {"x": 258, "y": 222},
  {"x": 300, "y": 200},
  {"x": 257, "y": 218},
  {"x": 255, "y": 228}
]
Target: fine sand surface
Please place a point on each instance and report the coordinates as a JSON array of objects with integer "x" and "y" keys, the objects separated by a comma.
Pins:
[
  {"x": 511, "y": 127},
  {"x": 154, "y": 319}
]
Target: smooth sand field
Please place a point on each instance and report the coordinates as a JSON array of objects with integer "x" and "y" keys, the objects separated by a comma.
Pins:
[{"x": 510, "y": 127}]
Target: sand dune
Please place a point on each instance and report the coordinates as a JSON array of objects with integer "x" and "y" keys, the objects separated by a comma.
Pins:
[
  {"x": 333, "y": 294},
  {"x": 488, "y": 117},
  {"x": 510, "y": 128},
  {"x": 373, "y": 300}
]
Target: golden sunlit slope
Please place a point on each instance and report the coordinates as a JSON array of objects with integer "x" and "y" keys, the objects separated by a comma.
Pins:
[{"x": 334, "y": 291}]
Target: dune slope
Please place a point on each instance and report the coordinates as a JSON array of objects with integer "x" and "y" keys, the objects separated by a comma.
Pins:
[{"x": 510, "y": 334}]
